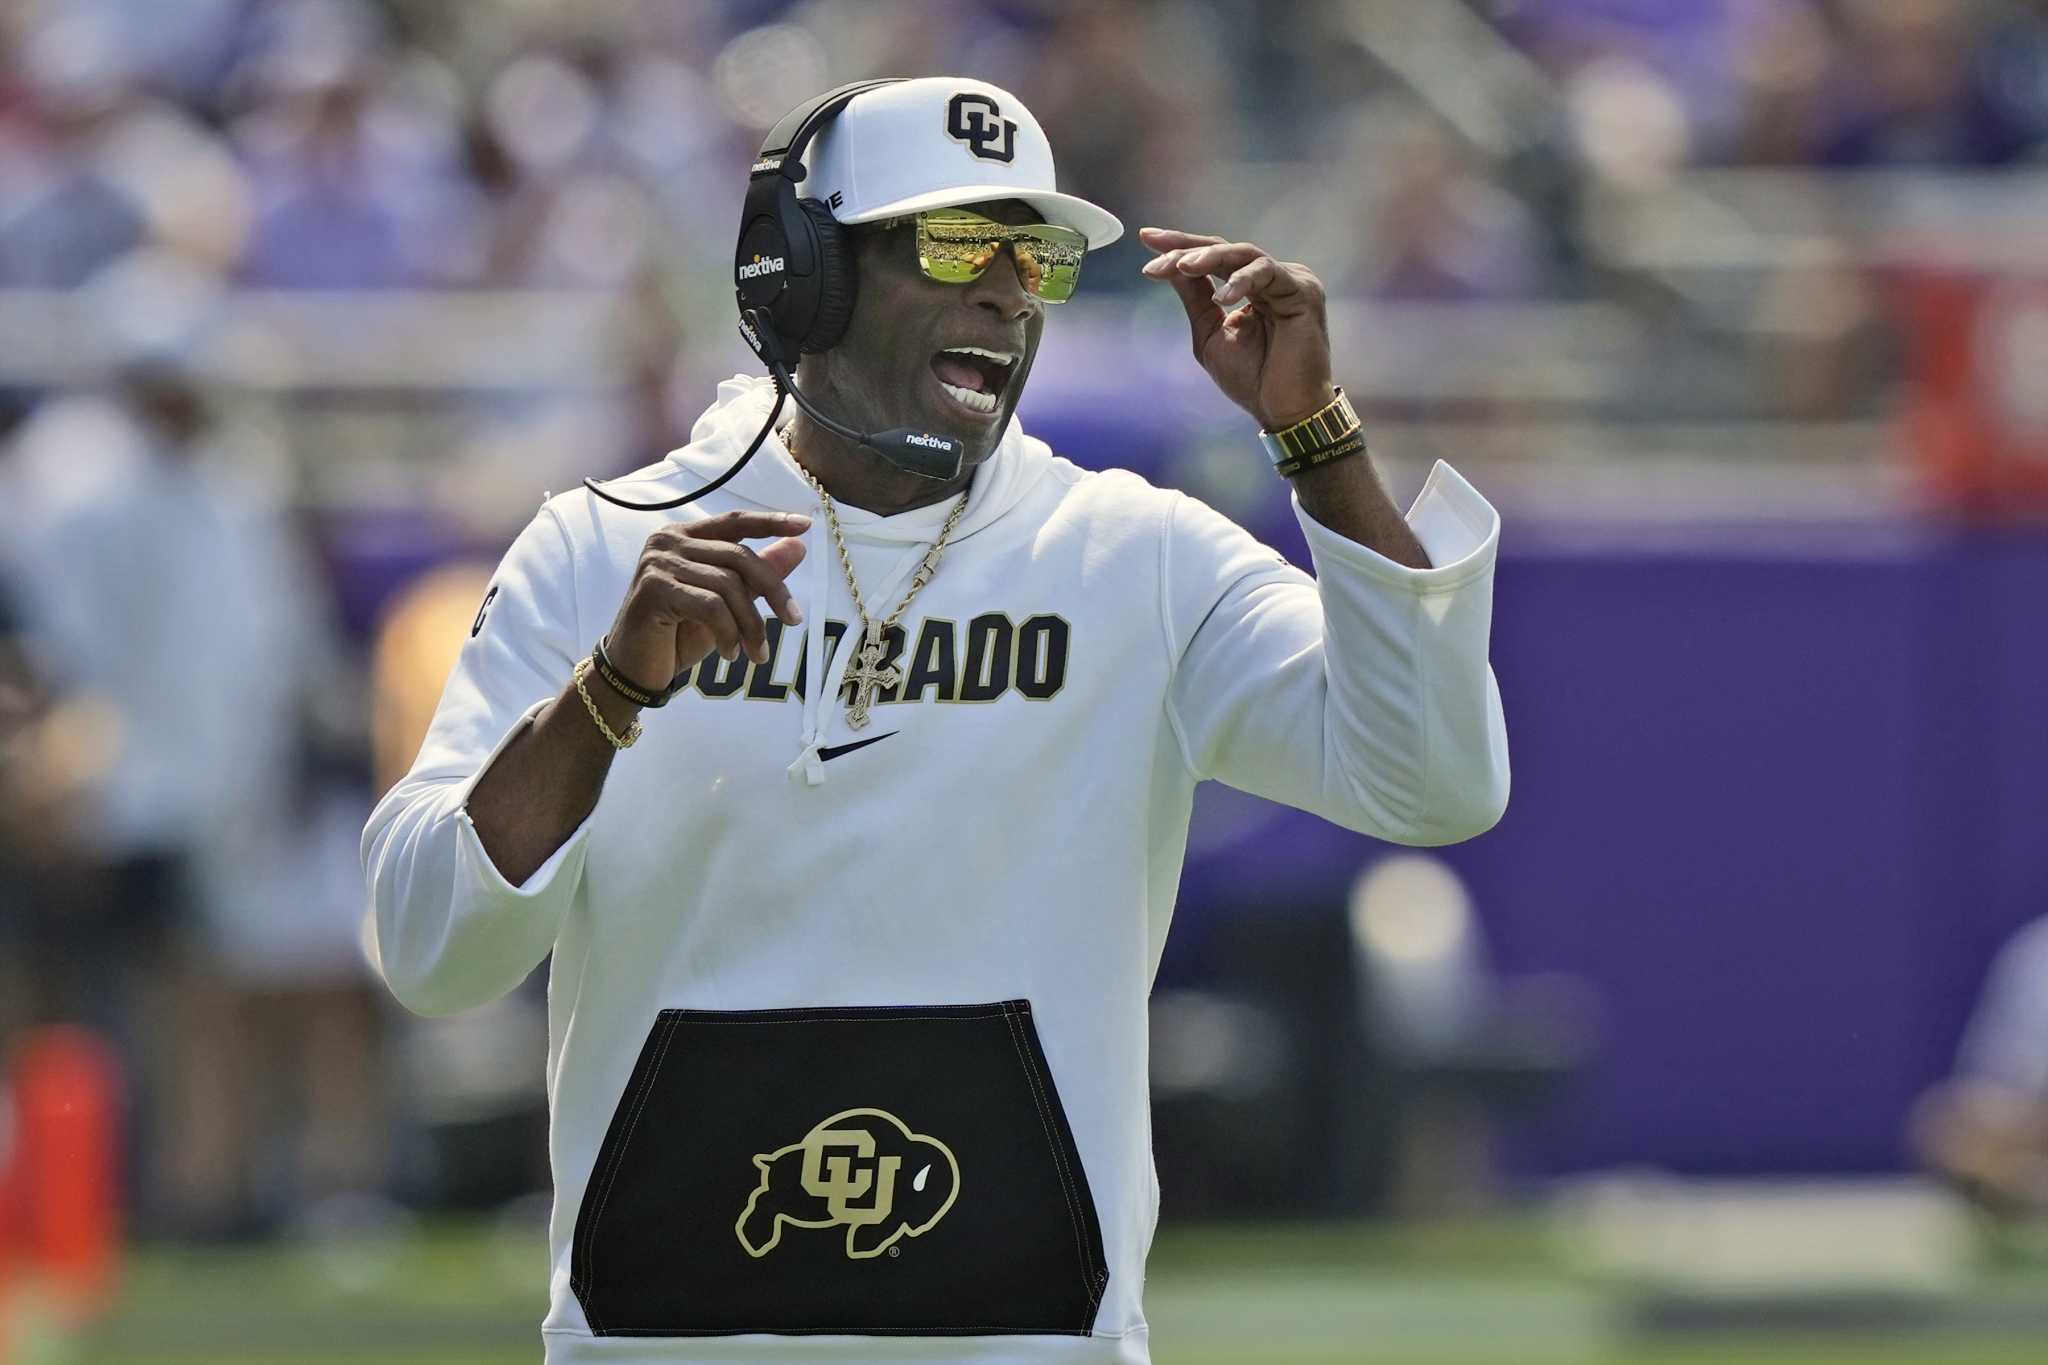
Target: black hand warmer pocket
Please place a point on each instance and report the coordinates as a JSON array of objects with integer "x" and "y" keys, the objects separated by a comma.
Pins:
[{"x": 882, "y": 1171}]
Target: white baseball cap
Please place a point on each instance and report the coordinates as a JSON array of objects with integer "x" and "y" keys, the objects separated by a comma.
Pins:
[{"x": 936, "y": 142}]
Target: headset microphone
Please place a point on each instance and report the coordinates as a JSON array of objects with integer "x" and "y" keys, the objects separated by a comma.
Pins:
[{"x": 917, "y": 452}]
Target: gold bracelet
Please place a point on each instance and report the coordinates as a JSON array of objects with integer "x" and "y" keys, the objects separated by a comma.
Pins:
[
  {"x": 1327, "y": 426},
  {"x": 611, "y": 736}
]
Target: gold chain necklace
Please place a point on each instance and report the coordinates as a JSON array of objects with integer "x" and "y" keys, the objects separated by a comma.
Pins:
[{"x": 867, "y": 674}]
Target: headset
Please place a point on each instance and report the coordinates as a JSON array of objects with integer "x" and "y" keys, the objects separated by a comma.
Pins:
[{"x": 794, "y": 276}]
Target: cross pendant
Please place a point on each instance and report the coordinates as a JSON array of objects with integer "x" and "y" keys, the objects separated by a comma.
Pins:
[{"x": 864, "y": 676}]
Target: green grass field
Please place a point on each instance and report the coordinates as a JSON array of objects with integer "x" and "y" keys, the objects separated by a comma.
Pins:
[{"x": 1483, "y": 1295}]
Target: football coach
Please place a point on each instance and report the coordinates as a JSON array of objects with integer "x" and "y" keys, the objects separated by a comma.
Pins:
[{"x": 844, "y": 766}]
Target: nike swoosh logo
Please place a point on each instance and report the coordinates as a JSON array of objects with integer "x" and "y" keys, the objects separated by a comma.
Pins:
[{"x": 828, "y": 752}]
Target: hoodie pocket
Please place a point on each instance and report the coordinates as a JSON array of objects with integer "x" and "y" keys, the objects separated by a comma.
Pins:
[{"x": 896, "y": 1170}]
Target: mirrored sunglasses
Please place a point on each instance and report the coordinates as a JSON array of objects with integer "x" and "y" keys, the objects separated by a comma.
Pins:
[{"x": 955, "y": 246}]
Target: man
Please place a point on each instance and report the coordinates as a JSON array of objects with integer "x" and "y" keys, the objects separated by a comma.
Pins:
[
  {"x": 851, "y": 955},
  {"x": 175, "y": 903}
]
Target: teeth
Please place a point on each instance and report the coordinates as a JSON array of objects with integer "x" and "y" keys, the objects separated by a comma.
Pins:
[
  {"x": 1000, "y": 357},
  {"x": 980, "y": 402}
]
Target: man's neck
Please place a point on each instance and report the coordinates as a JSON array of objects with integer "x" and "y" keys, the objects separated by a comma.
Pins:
[{"x": 861, "y": 478}]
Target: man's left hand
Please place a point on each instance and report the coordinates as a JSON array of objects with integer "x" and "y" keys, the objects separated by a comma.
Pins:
[{"x": 1270, "y": 357}]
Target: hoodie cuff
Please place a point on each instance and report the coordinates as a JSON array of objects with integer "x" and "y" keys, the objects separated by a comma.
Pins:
[
  {"x": 476, "y": 868},
  {"x": 1456, "y": 525}
]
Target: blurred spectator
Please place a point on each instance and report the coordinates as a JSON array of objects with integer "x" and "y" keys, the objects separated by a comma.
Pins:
[
  {"x": 357, "y": 159},
  {"x": 20, "y": 705},
  {"x": 324, "y": 221},
  {"x": 170, "y": 609},
  {"x": 2011, "y": 70},
  {"x": 1782, "y": 72},
  {"x": 62, "y": 215},
  {"x": 573, "y": 212},
  {"x": 1987, "y": 1129},
  {"x": 1443, "y": 232},
  {"x": 1908, "y": 94}
]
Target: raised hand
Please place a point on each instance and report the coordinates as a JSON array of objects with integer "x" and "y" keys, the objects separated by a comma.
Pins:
[
  {"x": 1270, "y": 357},
  {"x": 694, "y": 590}
]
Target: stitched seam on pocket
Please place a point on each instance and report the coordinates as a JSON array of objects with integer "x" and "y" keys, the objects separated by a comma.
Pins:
[
  {"x": 853, "y": 1331},
  {"x": 809, "y": 1017},
  {"x": 619, "y": 1157},
  {"x": 1059, "y": 1161},
  {"x": 966, "y": 1007}
]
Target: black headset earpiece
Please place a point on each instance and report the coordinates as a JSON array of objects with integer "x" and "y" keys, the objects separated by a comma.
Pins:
[
  {"x": 794, "y": 274},
  {"x": 838, "y": 277},
  {"x": 794, "y": 267}
]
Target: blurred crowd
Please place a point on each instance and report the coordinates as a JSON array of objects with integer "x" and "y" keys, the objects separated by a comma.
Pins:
[
  {"x": 375, "y": 144},
  {"x": 188, "y": 676}
]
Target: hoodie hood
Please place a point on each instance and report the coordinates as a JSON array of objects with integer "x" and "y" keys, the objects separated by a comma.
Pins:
[{"x": 772, "y": 480}]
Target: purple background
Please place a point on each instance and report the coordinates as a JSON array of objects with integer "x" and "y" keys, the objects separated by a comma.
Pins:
[{"x": 1776, "y": 804}]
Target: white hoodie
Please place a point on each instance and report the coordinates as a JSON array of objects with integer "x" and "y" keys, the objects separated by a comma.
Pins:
[{"x": 786, "y": 972}]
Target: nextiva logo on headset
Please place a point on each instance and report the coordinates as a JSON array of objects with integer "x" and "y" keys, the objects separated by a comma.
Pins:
[{"x": 762, "y": 265}]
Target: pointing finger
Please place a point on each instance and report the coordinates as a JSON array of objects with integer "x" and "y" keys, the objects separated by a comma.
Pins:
[
  {"x": 746, "y": 525},
  {"x": 1218, "y": 258},
  {"x": 1166, "y": 239}
]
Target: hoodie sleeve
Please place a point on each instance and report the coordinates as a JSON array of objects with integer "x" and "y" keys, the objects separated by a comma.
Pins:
[
  {"x": 451, "y": 932},
  {"x": 1363, "y": 694}
]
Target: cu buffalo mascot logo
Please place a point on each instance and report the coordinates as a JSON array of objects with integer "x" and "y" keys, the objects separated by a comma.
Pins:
[
  {"x": 978, "y": 121},
  {"x": 861, "y": 1169}
]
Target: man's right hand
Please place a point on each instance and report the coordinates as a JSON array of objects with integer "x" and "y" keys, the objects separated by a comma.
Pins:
[{"x": 694, "y": 590}]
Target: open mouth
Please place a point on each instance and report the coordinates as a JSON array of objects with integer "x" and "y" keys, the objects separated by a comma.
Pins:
[{"x": 973, "y": 376}]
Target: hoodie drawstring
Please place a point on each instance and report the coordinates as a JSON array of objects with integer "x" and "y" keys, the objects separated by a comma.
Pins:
[{"x": 808, "y": 763}]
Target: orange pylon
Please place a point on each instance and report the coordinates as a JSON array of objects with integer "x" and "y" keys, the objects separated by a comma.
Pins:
[{"x": 67, "y": 1105}]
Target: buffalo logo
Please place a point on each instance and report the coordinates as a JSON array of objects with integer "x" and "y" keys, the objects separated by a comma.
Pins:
[
  {"x": 978, "y": 121},
  {"x": 861, "y": 1169}
]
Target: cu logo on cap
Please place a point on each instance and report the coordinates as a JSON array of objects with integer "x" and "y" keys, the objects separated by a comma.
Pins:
[{"x": 978, "y": 121}]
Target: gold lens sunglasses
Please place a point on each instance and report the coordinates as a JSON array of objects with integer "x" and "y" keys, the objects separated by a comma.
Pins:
[{"x": 955, "y": 246}]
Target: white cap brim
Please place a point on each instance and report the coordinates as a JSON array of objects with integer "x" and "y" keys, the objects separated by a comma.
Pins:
[{"x": 1098, "y": 225}]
